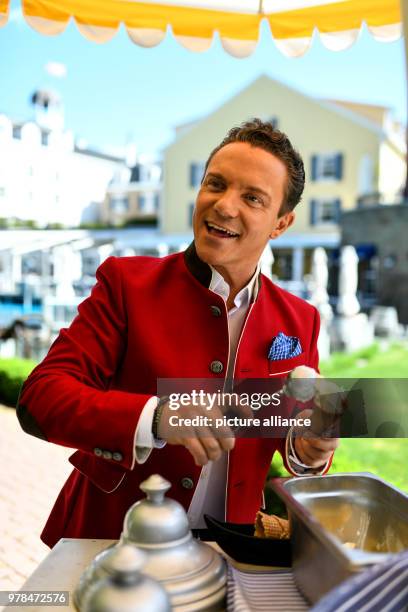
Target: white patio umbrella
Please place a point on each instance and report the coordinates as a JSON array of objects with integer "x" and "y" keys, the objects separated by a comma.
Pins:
[{"x": 194, "y": 22}]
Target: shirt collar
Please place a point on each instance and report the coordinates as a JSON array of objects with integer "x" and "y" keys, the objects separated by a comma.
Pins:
[{"x": 221, "y": 288}]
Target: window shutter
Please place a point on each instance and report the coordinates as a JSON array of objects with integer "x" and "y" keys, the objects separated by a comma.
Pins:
[
  {"x": 339, "y": 166},
  {"x": 135, "y": 174},
  {"x": 337, "y": 210},
  {"x": 314, "y": 167},
  {"x": 313, "y": 212}
]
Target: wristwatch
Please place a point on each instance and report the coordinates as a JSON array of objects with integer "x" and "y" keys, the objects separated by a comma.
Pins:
[{"x": 157, "y": 416}]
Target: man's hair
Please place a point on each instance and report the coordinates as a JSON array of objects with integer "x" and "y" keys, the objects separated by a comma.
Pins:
[{"x": 263, "y": 135}]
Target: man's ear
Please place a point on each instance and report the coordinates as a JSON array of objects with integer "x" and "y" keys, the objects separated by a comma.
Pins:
[{"x": 283, "y": 223}]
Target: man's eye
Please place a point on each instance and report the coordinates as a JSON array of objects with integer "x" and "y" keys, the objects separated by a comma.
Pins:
[
  {"x": 214, "y": 183},
  {"x": 253, "y": 199}
]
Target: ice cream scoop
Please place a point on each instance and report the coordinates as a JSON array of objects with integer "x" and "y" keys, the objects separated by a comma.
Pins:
[{"x": 305, "y": 384}]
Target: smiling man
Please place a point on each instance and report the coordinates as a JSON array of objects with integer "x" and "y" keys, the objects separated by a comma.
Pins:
[
  {"x": 239, "y": 209},
  {"x": 203, "y": 314}
]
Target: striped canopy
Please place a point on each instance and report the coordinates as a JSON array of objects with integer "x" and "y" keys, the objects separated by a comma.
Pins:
[{"x": 194, "y": 22}]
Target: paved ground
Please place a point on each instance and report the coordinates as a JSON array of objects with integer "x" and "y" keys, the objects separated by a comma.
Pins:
[{"x": 31, "y": 475}]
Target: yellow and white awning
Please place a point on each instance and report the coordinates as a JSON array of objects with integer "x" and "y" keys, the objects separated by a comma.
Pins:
[{"x": 194, "y": 22}]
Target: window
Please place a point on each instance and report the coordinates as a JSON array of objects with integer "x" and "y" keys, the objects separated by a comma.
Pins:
[
  {"x": 142, "y": 202},
  {"x": 326, "y": 210},
  {"x": 17, "y": 132},
  {"x": 327, "y": 167},
  {"x": 196, "y": 173},
  {"x": 119, "y": 204},
  {"x": 2, "y": 191},
  {"x": 390, "y": 261},
  {"x": 146, "y": 203},
  {"x": 135, "y": 174}
]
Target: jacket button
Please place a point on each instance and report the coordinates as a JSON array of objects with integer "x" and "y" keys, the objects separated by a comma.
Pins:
[
  {"x": 98, "y": 452},
  {"x": 216, "y": 311},
  {"x": 216, "y": 367},
  {"x": 187, "y": 483},
  {"x": 117, "y": 456},
  {"x": 107, "y": 454}
]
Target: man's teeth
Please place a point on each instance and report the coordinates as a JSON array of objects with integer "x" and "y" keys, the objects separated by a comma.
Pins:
[{"x": 221, "y": 229}]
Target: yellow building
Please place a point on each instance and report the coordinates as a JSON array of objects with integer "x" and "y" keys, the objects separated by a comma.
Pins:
[{"x": 340, "y": 146}]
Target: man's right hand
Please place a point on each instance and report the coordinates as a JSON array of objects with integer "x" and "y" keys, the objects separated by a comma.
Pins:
[{"x": 204, "y": 442}]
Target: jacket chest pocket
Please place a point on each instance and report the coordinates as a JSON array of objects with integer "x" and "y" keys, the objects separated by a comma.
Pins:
[{"x": 282, "y": 367}]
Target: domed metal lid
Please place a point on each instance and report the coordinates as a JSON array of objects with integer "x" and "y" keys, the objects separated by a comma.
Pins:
[
  {"x": 156, "y": 519},
  {"x": 192, "y": 573},
  {"x": 125, "y": 589},
  {"x": 124, "y": 563}
]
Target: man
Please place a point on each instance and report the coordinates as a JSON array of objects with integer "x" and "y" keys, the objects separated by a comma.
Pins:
[{"x": 205, "y": 313}]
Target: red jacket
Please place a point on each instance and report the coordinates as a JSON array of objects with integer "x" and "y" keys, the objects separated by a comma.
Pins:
[{"x": 150, "y": 318}]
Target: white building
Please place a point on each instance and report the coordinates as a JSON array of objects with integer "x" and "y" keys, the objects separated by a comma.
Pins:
[
  {"x": 47, "y": 178},
  {"x": 134, "y": 194}
]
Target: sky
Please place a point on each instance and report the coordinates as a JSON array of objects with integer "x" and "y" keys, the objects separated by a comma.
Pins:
[{"x": 118, "y": 92}]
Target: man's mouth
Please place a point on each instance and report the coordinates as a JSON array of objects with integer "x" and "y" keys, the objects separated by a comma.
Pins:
[{"x": 217, "y": 230}]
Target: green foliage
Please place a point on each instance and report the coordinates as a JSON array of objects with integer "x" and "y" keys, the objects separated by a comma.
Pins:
[
  {"x": 384, "y": 457},
  {"x": 54, "y": 226},
  {"x": 14, "y": 223},
  {"x": 95, "y": 225},
  {"x": 147, "y": 221},
  {"x": 13, "y": 373},
  {"x": 377, "y": 361}
]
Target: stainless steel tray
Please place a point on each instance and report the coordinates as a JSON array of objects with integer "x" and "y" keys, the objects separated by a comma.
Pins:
[{"x": 341, "y": 524}]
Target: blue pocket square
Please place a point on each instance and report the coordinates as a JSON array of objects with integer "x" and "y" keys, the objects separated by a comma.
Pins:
[{"x": 284, "y": 347}]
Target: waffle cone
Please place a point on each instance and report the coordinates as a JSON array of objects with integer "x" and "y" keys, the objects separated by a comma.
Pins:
[{"x": 271, "y": 526}]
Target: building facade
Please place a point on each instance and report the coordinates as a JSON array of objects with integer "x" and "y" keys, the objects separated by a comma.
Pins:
[
  {"x": 347, "y": 155},
  {"x": 379, "y": 235},
  {"x": 48, "y": 179},
  {"x": 134, "y": 195}
]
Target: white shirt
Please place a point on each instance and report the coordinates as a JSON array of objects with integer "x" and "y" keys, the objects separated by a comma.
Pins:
[{"x": 213, "y": 475}]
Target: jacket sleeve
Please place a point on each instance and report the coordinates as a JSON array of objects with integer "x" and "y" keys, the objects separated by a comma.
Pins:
[
  {"x": 294, "y": 468},
  {"x": 70, "y": 398},
  {"x": 313, "y": 350}
]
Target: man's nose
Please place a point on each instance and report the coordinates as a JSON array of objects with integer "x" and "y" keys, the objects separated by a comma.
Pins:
[{"x": 227, "y": 204}]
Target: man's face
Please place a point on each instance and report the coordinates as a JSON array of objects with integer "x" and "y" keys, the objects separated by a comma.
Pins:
[{"x": 236, "y": 211}]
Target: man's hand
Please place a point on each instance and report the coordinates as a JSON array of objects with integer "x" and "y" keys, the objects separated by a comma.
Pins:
[
  {"x": 205, "y": 442},
  {"x": 312, "y": 450}
]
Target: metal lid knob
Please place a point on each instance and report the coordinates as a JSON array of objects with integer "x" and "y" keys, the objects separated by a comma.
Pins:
[
  {"x": 124, "y": 564},
  {"x": 125, "y": 589},
  {"x": 156, "y": 519},
  {"x": 155, "y": 488}
]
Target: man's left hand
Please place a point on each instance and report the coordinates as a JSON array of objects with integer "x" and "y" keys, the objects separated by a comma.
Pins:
[{"x": 311, "y": 450}]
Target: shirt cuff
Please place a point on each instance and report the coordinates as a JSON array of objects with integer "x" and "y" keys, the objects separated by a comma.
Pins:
[
  {"x": 145, "y": 442},
  {"x": 294, "y": 463}
]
